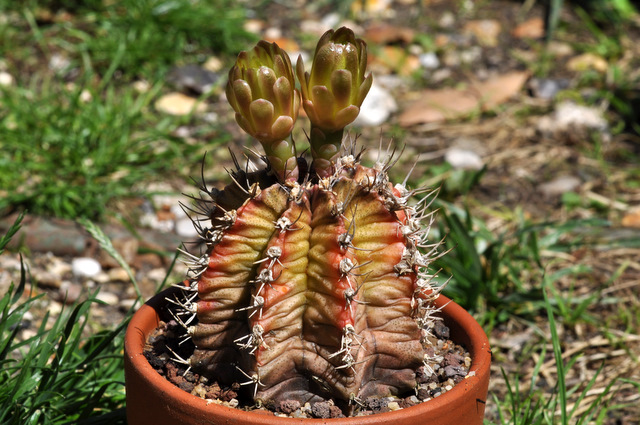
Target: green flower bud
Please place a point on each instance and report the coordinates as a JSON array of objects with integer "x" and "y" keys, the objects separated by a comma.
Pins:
[
  {"x": 336, "y": 87},
  {"x": 261, "y": 90}
]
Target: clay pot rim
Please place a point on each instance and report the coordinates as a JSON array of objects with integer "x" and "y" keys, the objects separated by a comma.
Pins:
[{"x": 146, "y": 319}]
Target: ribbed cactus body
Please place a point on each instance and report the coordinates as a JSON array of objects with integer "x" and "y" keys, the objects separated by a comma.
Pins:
[{"x": 313, "y": 290}]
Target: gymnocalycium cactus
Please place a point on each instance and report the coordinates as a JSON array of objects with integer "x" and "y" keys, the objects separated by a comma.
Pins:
[{"x": 313, "y": 285}]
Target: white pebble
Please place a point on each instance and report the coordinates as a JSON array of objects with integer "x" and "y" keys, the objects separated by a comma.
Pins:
[
  {"x": 6, "y": 79},
  {"x": 85, "y": 267},
  {"x": 463, "y": 159},
  {"x": 429, "y": 60},
  {"x": 376, "y": 108},
  {"x": 184, "y": 228}
]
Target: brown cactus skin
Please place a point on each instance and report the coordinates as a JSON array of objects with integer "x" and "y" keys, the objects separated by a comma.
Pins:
[
  {"x": 312, "y": 290},
  {"x": 312, "y": 286}
]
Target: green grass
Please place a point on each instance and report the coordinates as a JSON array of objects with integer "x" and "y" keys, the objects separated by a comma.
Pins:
[
  {"x": 86, "y": 117},
  {"x": 59, "y": 374}
]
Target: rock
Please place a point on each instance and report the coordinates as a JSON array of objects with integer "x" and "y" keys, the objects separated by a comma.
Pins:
[
  {"x": 571, "y": 117},
  {"x": 486, "y": 31},
  {"x": 213, "y": 64},
  {"x": 288, "y": 406},
  {"x": 440, "y": 330},
  {"x": 447, "y": 20},
  {"x": 6, "y": 79},
  {"x": 127, "y": 247},
  {"x": 321, "y": 410},
  {"x": 393, "y": 405},
  {"x": 157, "y": 274},
  {"x": 85, "y": 267},
  {"x": 118, "y": 274},
  {"x": 454, "y": 372},
  {"x": 179, "y": 104},
  {"x": 560, "y": 185},
  {"x": 69, "y": 292},
  {"x": 587, "y": 61},
  {"x": 108, "y": 298},
  {"x": 559, "y": 49},
  {"x": 547, "y": 88},
  {"x": 184, "y": 228},
  {"x": 125, "y": 305},
  {"x": 100, "y": 278},
  {"x": 141, "y": 86},
  {"x": 59, "y": 63},
  {"x": 463, "y": 159},
  {"x": 429, "y": 60},
  {"x": 46, "y": 279},
  {"x": 192, "y": 78},
  {"x": 58, "y": 267},
  {"x": 376, "y": 108}
]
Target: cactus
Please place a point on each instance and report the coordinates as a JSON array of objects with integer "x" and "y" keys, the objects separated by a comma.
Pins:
[{"x": 313, "y": 285}]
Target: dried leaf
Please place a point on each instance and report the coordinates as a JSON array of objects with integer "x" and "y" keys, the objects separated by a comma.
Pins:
[
  {"x": 383, "y": 33},
  {"x": 532, "y": 28},
  {"x": 448, "y": 103}
]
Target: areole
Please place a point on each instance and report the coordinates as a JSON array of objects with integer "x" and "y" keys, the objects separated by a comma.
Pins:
[{"x": 153, "y": 400}]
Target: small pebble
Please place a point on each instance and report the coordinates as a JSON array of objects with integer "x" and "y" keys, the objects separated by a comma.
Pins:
[
  {"x": 6, "y": 79},
  {"x": 393, "y": 405},
  {"x": 560, "y": 185},
  {"x": 125, "y": 305},
  {"x": 85, "y": 267},
  {"x": 118, "y": 274},
  {"x": 429, "y": 60},
  {"x": 376, "y": 108},
  {"x": 108, "y": 298}
]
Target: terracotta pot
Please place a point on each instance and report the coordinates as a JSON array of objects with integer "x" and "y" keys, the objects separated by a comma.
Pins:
[{"x": 153, "y": 400}]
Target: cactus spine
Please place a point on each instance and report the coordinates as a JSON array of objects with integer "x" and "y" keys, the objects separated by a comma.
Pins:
[{"x": 312, "y": 285}]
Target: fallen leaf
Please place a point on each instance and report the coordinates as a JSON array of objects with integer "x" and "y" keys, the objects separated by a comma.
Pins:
[
  {"x": 631, "y": 219},
  {"x": 178, "y": 104},
  {"x": 439, "y": 105},
  {"x": 587, "y": 61},
  {"x": 397, "y": 59},
  {"x": 383, "y": 33},
  {"x": 532, "y": 28},
  {"x": 498, "y": 90},
  {"x": 449, "y": 103}
]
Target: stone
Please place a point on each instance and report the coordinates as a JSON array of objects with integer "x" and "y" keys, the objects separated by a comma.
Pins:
[
  {"x": 560, "y": 185},
  {"x": 108, "y": 298},
  {"x": 547, "y": 88},
  {"x": 6, "y": 79},
  {"x": 85, "y": 267},
  {"x": 571, "y": 117},
  {"x": 192, "y": 78},
  {"x": 429, "y": 60},
  {"x": 118, "y": 274},
  {"x": 69, "y": 292},
  {"x": 46, "y": 279},
  {"x": 376, "y": 108},
  {"x": 486, "y": 31},
  {"x": 126, "y": 304},
  {"x": 184, "y": 228},
  {"x": 213, "y": 64},
  {"x": 179, "y": 104},
  {"x": 463, "y": 159}
]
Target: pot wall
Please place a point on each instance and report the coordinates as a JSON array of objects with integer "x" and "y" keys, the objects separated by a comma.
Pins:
[{"x": 153, "y": 400}]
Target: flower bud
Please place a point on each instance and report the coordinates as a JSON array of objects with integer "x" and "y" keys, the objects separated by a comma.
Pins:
[
  {"x": 261, "y": 90},
  {"x": 336, "y": 87}
]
